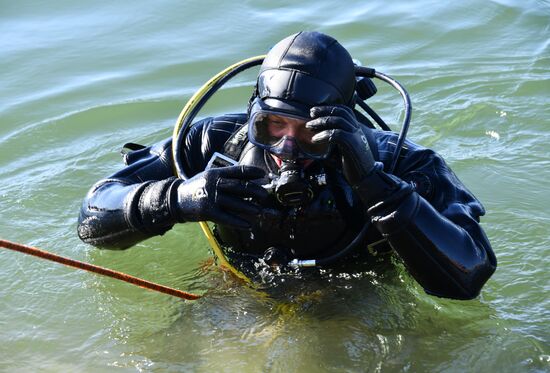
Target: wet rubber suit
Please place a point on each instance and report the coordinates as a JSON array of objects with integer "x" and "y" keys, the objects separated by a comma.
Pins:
[{"x": 428, "y": 217}]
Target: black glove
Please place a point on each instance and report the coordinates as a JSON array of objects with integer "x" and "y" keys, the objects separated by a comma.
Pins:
[
  {"x": 337, "y": 126},
  {"x": 222, "y": 195}
]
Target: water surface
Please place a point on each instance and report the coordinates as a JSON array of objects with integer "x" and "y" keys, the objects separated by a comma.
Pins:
[{"x": 81, "y": 79}]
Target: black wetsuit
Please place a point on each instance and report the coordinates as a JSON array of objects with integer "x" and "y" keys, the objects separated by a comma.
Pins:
[{"x": 435, "y": 229}]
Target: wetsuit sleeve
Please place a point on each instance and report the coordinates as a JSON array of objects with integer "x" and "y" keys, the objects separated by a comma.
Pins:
[
  {"x": 435, "y": 228},
  {"x": 131, "y": 205},
  {"x": 138, "y": 202}
]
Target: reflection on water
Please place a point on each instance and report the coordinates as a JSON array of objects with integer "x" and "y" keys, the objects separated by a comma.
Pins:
[{"x": 356, "y": 319}]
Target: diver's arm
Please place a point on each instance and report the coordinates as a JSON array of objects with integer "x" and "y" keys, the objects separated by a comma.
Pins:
[
  {"x": 118, "y": 214},
  {"x": 450, "y": 256},
  {"x": 131, "y": 205},
  {"x": 440, "y": 241},
  {"x": 145, "y": 199},
  {"x": 434, "y": 227}
]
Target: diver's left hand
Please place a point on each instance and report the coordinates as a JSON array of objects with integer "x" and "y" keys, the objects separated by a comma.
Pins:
[{"x": 337, "y": 125}]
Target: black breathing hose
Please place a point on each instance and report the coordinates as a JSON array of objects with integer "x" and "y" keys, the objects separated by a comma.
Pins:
[
  {"x": 373, "y": 114},
  {"x": 372, "y": 73}
]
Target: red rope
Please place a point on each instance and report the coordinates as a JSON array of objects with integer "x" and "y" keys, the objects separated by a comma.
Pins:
[{"x": 97, "y": 269}]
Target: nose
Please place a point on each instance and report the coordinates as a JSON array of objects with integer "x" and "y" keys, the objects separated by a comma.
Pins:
[
  {"x": 294, "y": 129},
  {"x": 291, "y": 131},
  {"x": 288, "y": 149}
]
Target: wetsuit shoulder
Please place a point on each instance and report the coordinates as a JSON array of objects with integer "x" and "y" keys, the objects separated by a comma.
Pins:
[
  {"x": 430, "y": 175},
  {"x": 130, "y": 205},
  {"x": 206, "y": 137}
]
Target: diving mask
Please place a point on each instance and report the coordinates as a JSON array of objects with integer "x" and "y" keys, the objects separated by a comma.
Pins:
[{"x": 284, "y": 134}]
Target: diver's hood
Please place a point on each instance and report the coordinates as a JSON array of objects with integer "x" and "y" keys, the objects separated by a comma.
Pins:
[{"x": 304, "y": 70}]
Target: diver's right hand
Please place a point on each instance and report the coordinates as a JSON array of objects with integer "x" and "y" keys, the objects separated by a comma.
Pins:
[{"x": 221, "y": 195}]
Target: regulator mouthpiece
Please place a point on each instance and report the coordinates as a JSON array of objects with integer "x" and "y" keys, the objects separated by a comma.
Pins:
[{"x": 291, "y": 189}]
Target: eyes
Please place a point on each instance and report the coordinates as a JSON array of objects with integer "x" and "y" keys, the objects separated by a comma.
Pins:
[
  {"x": 276, "y": 123},
  {"x": 268, "y": 130},
  {"x": 294, "y": 128}
]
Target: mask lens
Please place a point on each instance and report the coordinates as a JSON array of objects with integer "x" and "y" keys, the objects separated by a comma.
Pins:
[{"x": 269, "y": 130}]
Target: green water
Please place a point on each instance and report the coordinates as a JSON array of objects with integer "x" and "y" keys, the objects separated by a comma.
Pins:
[{"x": 79, "y": 79}]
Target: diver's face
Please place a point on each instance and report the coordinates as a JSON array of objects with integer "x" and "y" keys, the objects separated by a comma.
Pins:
[
  {"x": 279, "y": 126},
  {"x": 284, "y": 135},
  {"x": 286, "y": 128}
]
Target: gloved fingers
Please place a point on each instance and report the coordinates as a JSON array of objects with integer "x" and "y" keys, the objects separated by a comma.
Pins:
[
  {"x": 234, "y": 204},
  {"x": 340, "y": 138},
  {"x": 240, "y": 172},
  {"x": 323, "y": 137},
  {"x": 332, "y": 117},
  {"x": 332, "y": 111},
  {"x": 269, "y": 214},
  {"x": 330, "y": 122},
  {"x": 337, "y": 136},
  {"x": 221, "y": 217},
  {"x": 242, "y": 188}
]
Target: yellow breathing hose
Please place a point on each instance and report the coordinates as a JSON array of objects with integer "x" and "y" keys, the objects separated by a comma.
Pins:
[{"x": 187, "y": 109}]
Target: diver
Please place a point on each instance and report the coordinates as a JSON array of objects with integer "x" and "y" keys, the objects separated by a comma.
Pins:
[{"x": 301, "y": 179}]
